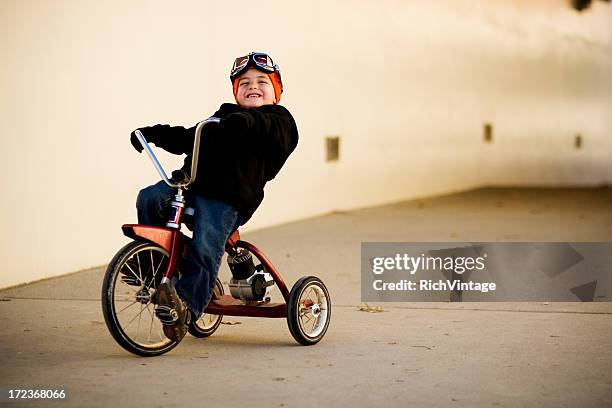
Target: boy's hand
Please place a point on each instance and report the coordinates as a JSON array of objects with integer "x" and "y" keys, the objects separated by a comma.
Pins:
[
  {"x": 151, "y": 133},
  {"x": 135, "y": 142}
]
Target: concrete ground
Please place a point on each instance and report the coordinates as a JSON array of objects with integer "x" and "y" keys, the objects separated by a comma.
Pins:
[{"x": 409, "y": 354}]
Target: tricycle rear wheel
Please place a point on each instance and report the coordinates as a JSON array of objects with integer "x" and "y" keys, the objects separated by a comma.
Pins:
[
  {"x": 207, "y": 323},
  {"x": 308, "y": 310}
]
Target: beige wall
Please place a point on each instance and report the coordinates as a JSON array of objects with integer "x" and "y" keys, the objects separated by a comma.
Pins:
[{"x": 407, "y": 85}]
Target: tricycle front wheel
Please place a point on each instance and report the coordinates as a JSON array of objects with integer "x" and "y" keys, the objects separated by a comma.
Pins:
[{"x": 129, "y": 283}]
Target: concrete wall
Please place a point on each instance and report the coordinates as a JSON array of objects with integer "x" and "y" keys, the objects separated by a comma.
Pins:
[{"x": 406, "y": 85}]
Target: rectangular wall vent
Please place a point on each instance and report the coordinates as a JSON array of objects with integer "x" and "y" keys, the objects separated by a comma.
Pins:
[{"x": 332, "y": 148}]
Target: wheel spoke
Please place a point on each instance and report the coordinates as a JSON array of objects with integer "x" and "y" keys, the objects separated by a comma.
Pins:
[
  {"x": 154, "y": 279},
  {"x": 139, "y": 267},
  {"x": 139, "y": 319},
  {"x": 152, "y": 321},
  {"x": 130, "y": 305},
  {"x": 127, "y": 297},
  {"x": 307, "y": 296},
  {"x": 315, "y": 322},
  {"x": 307, "y": 316},
  {"x": 150, "y": 325},
  {"x": 151, "y": 267},
  {"x": 133, "y": 318},
  {"x": 131, "y": 288},
  {"x": 132, "y": 271},
  {"x": 314, "y": 293}
]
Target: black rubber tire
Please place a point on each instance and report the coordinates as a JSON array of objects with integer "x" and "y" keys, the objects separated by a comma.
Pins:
[
  {"x": 113, "y": 283},
  {"x": 197, "y": 327},
  {"x": 293, "y": 310}
]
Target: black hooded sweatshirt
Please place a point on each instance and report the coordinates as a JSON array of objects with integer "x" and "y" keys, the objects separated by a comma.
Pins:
[{"x": 238, "y": 156}]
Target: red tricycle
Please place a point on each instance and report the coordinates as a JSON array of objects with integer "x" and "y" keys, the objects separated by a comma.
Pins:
[{"x": 153, "y": 257}]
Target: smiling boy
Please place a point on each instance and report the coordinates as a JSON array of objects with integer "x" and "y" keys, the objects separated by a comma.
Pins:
[
  {"x": 237, "y": 158},
  {"x": 254, "y": 89}
]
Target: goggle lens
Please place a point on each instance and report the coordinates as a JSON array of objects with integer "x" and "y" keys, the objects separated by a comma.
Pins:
[
  {"x": 262, "y": 61},
  {"x": 240, "y": 63}
]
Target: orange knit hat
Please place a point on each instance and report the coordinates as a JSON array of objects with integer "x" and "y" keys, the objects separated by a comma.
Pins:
[{"x": 276, "y": 83}]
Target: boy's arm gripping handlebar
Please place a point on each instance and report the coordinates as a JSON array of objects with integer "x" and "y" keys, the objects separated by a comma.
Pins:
[{"x": 195, "y": 154}]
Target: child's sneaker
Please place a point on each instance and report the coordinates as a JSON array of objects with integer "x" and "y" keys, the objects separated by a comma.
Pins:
[{"x": 171, "y": 311}]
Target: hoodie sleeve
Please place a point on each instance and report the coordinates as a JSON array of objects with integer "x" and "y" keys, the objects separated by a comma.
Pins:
[
  {"x": 179, "y": 140},
  {"x": 176, "y": 139}
]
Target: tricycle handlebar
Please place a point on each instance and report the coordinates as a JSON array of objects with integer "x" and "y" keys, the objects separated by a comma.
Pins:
[{"x": 194, "y": 159}]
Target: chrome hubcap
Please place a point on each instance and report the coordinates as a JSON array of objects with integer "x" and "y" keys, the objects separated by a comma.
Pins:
[{"x": 143, "y": 296}]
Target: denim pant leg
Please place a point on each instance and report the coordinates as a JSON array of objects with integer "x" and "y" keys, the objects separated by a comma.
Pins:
[
  {"x": 152, "y": 204},
  {"x": 213, "y": 221}
]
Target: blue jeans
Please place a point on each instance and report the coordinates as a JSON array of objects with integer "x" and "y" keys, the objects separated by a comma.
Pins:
[{"x": 213, "y": 223}]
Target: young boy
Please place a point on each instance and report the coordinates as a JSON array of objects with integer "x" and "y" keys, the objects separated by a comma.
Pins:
[{"x": 237, "y": 158}]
